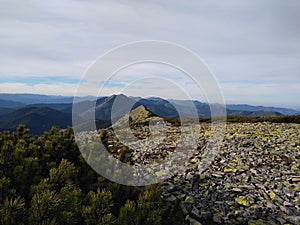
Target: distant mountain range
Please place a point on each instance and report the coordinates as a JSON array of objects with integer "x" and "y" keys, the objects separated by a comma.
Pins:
[
  {"x": 36, "y": 119},
  {"x": 252, "y": 108},
  {"x": 40, "y": 112}
]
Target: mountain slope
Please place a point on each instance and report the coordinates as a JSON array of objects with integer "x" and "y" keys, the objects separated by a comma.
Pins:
[
  {"x": 103, "y": 108},
  {"x": 36, "y": 119},
  {"x": 139, "y": 115},
  {"x": 159, "y": 106},
  {"x": 4, "y": 111},
  {"x": 245, "y": 107},
  {"x": 27, "y": 99},
  {"x": 57, "y": 106},
  {"x": 10, "y": 104},
  {"x": 259, "y": 113}
]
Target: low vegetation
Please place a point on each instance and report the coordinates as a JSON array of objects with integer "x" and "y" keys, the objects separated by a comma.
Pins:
[{"x": 44, "y": 180}]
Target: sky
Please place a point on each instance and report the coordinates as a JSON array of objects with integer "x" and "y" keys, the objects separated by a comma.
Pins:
[{"x": 251, "y": 47}]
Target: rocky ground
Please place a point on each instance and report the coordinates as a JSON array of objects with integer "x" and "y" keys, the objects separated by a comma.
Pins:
[{"x": 253, "y": 179}]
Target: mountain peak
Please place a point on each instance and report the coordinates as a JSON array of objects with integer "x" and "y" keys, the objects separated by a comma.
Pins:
[
  {"x": 140, "y": 114},
  {"x": 137, "y": 115}
]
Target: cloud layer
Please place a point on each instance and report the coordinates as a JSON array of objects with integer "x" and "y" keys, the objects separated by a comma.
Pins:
[{"x": 252, "y": 47}]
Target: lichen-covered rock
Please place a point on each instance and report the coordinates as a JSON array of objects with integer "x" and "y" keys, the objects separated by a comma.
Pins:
[
  {"x": 253, "y": 179},
  {"x": 244, "y": 200}
]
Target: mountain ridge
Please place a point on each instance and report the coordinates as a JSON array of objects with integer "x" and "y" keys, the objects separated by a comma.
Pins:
[
  {"x": 21, "y": 100},
  {"x": 41, "y": 116},
  {"x": 36, "y": 119}
]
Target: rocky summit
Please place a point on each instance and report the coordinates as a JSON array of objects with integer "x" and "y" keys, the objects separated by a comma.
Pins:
[{"x": 253, "y": 179}]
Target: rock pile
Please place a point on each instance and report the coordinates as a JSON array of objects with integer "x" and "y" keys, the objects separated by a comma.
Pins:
[{"x": 253, "y": 180}]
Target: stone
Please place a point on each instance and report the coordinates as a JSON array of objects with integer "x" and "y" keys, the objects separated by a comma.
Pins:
[
  {"x": 189, "y": 199},
  {"x": 244, "y": 200}
]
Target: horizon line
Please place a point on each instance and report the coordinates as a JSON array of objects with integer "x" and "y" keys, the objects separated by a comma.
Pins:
[{"x": 297, "y": 108}]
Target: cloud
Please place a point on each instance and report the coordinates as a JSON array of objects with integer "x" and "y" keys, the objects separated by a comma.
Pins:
[
  {"x": 245, "y": 43},
  {"x": 49, "y": 89},
  {"x": 274, "y": 94}
]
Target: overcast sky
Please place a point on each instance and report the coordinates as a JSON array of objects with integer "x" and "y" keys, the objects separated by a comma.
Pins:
[{"x": 252, "y": 47}]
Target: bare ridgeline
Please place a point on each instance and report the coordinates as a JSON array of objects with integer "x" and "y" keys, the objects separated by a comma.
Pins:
[{"x": 253, "y": 179}]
